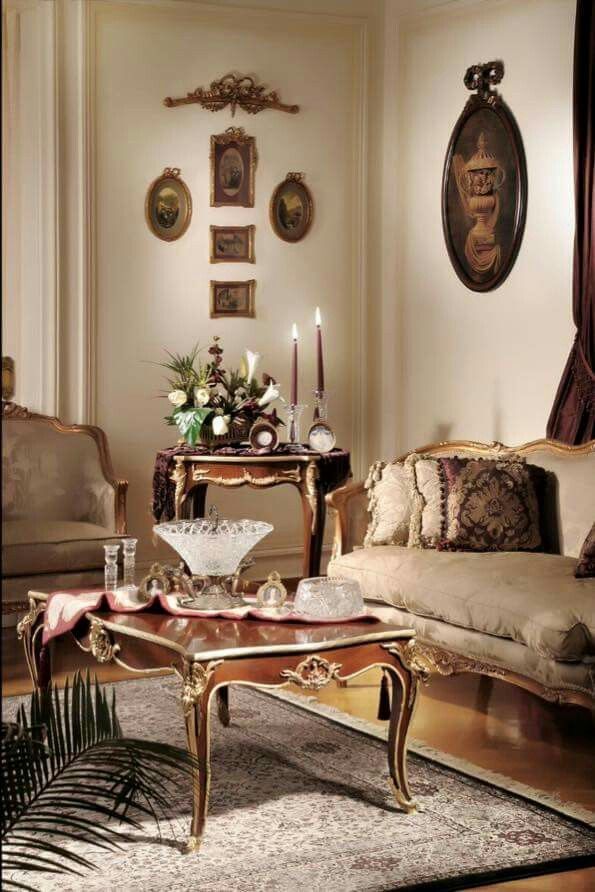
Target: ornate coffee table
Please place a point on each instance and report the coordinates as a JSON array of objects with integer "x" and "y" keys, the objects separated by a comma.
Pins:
[{"x": 208, "y": 655}]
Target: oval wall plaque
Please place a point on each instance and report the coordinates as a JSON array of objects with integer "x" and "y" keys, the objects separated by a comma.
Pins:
[{"x": 484, "y": 185}]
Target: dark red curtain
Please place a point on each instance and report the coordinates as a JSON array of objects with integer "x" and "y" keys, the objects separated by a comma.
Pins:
[{"x": 572, "y": 419}]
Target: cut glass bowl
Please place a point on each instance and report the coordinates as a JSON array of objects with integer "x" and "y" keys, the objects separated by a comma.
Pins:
[
  {"x": 213, "y": 550},
  {"x": 328, "y": 597}
]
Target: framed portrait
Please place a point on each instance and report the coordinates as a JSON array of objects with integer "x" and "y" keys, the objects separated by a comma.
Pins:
[
  {"x": 232, "y": 244},
  {"x": 484, "y": 185},
  {"x": 168, "y": 206},
  {"x": 232, "y": 299},
  {"x": 233, "y": 162},
  {"x": 291, "y": 210}
]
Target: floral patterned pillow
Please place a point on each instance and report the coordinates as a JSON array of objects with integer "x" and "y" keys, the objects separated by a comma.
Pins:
[
  {"x": 586, "y": 559},
  {"x": 488, "y": 506}
]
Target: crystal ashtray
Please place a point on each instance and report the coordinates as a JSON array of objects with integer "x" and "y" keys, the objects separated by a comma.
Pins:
[{"x": 329, "y": 597}]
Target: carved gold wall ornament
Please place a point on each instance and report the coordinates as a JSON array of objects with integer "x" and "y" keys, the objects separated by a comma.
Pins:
[
  {"x": 195, "y": 678},
  {"x": 101, "y": 644},
  {"x": 233, "y": 90},
  {"x": 312, "y": 673}
]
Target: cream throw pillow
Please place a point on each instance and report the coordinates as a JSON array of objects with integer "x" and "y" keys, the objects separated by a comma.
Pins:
[{"x": 390, "y": 489}]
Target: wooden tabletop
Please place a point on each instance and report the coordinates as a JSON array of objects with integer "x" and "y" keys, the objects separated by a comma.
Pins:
[{"x": 208, "y": 639}]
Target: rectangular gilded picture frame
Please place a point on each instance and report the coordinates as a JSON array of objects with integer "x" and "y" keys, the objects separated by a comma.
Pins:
[
  {"x": 233, "y": 162},
  {"x": 230, "y": 299},
  {"x": 232, "y": 244}
]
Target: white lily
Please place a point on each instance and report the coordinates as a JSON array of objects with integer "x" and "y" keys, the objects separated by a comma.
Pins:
[
  {"x": 271, "y": 393},
  {"x": 201, "y": 396},
  {"x": 251, "y": 361},
  {"x": 221, "y": 424},
  {"x": 177, "y": 398}
]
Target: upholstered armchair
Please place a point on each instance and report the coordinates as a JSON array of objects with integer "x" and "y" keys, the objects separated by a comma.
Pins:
[{"x": 60, "y": 504}]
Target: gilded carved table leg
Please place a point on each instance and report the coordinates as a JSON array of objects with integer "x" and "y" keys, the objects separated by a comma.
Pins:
[
  {"x": 196, "y": 693},
  {"x": 29, "y": 630},
  {"x": 404, "y": 694},
  {"x": 178, "y": 476}
]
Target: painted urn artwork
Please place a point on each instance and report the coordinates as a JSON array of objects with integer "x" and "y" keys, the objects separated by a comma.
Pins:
[{"x": 484, "y": 187}]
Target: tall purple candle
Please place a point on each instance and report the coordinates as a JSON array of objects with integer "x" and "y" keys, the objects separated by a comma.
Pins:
[
  {"x": 294, "y": 366},
  {"x": 319, "y": 360}
]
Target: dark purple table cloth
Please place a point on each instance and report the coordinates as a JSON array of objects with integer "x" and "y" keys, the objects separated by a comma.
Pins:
[{"x": 335, "y": 468}]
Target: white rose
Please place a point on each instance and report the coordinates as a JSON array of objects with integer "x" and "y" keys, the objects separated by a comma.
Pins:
[
  {"x": 201, "y": 396},
  {"x": 177, "y": 398},
  {"x": 270, "y": 394},
  {"x": 221, "y": 424}
]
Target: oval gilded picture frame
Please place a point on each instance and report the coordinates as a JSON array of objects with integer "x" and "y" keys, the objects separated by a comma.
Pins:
[
  {"x": 484, "y": 192},
  {"x": 291, "y": 210},
  {"x": 168, "y": 205}
]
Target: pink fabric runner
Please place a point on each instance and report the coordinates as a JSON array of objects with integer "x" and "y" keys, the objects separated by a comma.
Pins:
[{"x": 64, "y": 609}]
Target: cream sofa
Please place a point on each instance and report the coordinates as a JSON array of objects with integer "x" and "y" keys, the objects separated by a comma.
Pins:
[
  {"x": 519, "y": 616},
  {"x": 60, "y": 505}
]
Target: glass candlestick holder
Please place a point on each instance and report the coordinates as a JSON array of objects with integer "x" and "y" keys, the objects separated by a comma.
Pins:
[
  {"x": 111, "y": 567},
  {"x": 294, "y": 418},
  {"x": 320, "y": 405},
  {"x": 129, "y": 550}
]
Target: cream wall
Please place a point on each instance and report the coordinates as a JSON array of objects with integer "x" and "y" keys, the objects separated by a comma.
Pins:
[
  {"x": 150, "y": 294},
  {"x": 412, "y": 356},
  {"x": 483, "y": 366},
  {"x": 119, "y": 294}
]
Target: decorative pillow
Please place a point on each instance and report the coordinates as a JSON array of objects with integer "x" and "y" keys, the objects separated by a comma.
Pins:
[
  {"x": 429, "y": 527},
  {"x": 488, "y": 506},
  {"x": 425, "y": 529},
  {"x": 389, "y": 504},
  {"x": 586, "y": 559}
]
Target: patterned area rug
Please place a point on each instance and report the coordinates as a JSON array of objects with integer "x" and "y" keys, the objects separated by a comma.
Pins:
[{"x": 299, "y": 801}]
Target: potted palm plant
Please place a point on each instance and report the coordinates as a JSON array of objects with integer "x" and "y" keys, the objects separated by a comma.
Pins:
[{"x": 68, "y": 773}]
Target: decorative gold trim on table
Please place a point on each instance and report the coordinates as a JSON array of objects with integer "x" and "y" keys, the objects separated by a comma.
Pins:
[
  {"x": 313, "y": 673},
  {"x": 312, "y": 475},
  {"x": 195, "y": 678},
  {"x": 290, "y": 476},
  {"x": 233, "y": 90},
  {"x": 101, "y": 644},
  {"x": 26, "y": 622}
]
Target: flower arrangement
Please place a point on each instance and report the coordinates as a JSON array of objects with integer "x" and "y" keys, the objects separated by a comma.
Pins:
[{"x": 211, "y": 404}]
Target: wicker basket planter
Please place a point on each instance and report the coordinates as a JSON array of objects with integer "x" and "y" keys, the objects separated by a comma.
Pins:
[{"x": 236, "y": 434}]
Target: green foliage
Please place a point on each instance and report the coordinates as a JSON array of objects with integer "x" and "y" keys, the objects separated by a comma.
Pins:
[
  {"x": 185, "y": 376},
  {"x": 190, "y": 422},
  {"x": 67, "y": 770}
]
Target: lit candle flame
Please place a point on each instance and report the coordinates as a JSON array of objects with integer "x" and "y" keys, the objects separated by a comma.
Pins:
[
  {"x": 318, "y": 317},
  {"x": 294, "y": 332}
]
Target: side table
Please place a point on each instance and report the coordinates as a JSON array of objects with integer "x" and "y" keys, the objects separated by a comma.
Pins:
[{"x": 311, "y": 473}]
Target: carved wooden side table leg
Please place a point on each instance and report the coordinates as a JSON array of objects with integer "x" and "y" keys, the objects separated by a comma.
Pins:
[
  {"x": 222, "y": 696},
  {"x": 314, "y": 510}
]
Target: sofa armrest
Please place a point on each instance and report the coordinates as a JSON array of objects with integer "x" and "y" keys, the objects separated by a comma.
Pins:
[{"x": 350, "y": 503}]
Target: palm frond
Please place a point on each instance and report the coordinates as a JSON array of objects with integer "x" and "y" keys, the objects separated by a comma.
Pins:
[{"x": 68, "y": 771}]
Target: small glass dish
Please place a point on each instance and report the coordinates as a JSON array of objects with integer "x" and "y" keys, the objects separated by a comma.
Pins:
[{"x": 329, "y": 597}]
